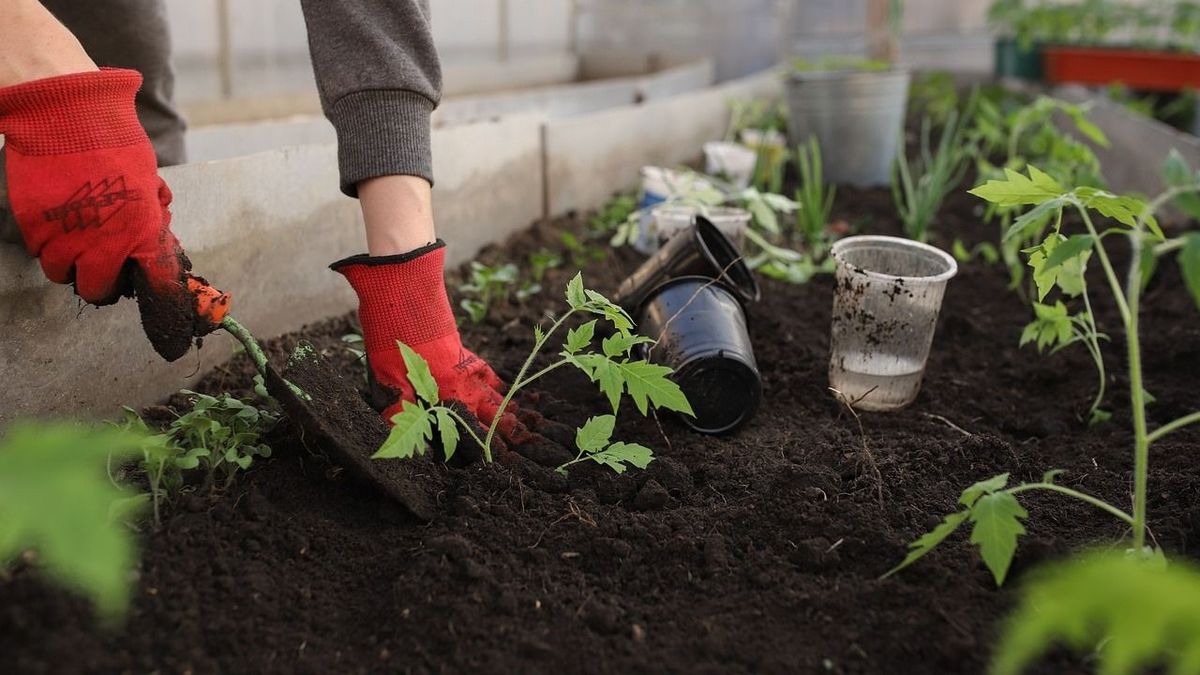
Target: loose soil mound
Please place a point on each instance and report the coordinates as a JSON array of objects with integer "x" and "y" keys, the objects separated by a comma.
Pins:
[{"x": 757, "y": 552}]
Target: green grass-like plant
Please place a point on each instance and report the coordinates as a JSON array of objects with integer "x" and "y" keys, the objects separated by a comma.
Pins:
[{"x": 920, "y": 187}]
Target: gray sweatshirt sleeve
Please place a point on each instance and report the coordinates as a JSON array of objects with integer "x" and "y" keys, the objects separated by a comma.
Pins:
[{"x": 379, "y": 78}]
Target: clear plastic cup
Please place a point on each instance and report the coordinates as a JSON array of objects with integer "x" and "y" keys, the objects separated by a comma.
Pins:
[
  {"x": 670, "y": 219},
  {"x": 733, "y": 161},
  {"x": 885, "y": 309}
]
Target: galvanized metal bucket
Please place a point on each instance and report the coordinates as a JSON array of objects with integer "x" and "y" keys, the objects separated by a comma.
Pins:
[{"x": 857, "y": 117}]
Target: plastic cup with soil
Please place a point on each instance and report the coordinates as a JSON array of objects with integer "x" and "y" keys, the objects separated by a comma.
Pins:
[
  {"x": 700, "y": 329},
  {"x": 885, "y": 308},
  {"x": 733, "y": 161},
  {"x": 701, "y": 250},
  {"x": 671, "y": 219},
  {"x": 660, "y": 184}
]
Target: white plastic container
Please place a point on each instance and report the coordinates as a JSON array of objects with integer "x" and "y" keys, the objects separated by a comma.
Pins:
[
  {"x": 670, "y": 219},
  {"x": 885, "y": 308},
  {"x": 660, "y": 184},
  {"x": 731, "y": 161},
  {"x": 756, "y": 139}
]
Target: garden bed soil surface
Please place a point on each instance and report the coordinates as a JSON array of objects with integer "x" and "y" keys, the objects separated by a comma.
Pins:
[{"x": 756, "y": 552}]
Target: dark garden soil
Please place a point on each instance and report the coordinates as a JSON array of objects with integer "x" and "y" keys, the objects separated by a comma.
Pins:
[{"x": 756, "y": 552}]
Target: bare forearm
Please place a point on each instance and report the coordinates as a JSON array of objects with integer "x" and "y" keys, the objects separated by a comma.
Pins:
[
  {"x": 398, "y": 213},
  {"x": 34, "y": 45}
]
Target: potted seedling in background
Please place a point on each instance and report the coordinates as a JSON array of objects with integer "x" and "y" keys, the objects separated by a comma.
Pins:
[
  {"x": 810, "y": 229},
  {"x": 992, "y": 505},
  {"x": 855, "y": 109},
  {"x": 761, "y": 125},
  {"x": 612, "y": 368}
]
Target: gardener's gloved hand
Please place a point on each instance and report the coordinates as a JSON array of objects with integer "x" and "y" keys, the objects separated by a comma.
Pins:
[
  {"x": 403, "y": 298},
  {"x": 83, "y": 186}
]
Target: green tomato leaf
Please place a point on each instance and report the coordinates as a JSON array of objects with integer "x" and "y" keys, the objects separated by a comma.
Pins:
[
  {"x": 649, "y": 383},
  {"x": 988, "y": 486},
  {"x": 1122, "y": 208},
  {"x": 1034, "y": 219},
  {"x": 611, "y": 379},
  {"x": 1074, "y": 247},
  {"x": 411, "y": 430},
  {"x": 997, "y": 518},
  {"x": 620, "y": 344},
  {"x": 418, "y": 374},
  {"x": 1018, "y": 190},
  {"x": 56, "y": 499},
  {"x": 620, "y": 454},
  {"x": 578, "y": 338},
  {"x": 595, "y": 433},
  {"x": 1189, "y": 264},
  {"x": 928, "y": 541},
  {"x": 1087, "y": 127},
  {"x": 447, "y": 431},
  {"x": 1177, "y": 174},
  {"x": 1142, "y": 612},
  {"x": 575, "y": 295}
]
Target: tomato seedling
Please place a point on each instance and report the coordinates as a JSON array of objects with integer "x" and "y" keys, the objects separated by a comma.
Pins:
[
  {"x": 56, "y": 502},
  {"x": 990, "y": 505},
  {"x": 612, "y": 368}
]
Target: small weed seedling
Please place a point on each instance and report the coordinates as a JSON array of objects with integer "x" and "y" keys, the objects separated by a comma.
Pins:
[
  {"x": 614, "y": 212},
  {"x": 542, "y": 261},
  {"x": 220, "y": 435},
  {"x": 488, "y": 285},
  {"x": 59, "y": 513},
  {"x": 991, "y": 505},
  {"x": 582, "y": 253},
  {"x": 920, "y": 187},
  {"x": 612, "y": 369},
  {"x": 354, "y": 346}
]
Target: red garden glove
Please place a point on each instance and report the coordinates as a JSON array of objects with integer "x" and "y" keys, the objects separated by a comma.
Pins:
[
  {"x": 403, "y": 298},
  {"x": 84, "y": 190}
]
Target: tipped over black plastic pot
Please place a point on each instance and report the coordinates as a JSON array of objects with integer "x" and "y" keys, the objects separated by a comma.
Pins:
[
  {"x": 700, "y": 251},
  {"x": 700, "y": 329}
]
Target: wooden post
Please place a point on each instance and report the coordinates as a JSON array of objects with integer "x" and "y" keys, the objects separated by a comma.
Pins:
[
  {"x": 881, "y": 43},
  {"x": 224, "y": 49}
]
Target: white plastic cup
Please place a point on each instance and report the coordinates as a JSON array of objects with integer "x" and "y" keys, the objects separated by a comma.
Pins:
[
  {"x": 733, "y": 161},
  {"x": 885, "y": 308},
  {"x": 660, "y": 184},
  {"x": 671, "y": 219},
  {"x": 757, "y": 139}
]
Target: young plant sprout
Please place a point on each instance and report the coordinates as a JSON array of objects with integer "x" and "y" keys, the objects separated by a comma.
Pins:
[
  {"x": 488, "y": 285},
  {"x": 1029, "y": 135},
  {"x": 815, "y": 199},
  {"x": 992, "y": 505},
  {"x": 919, "y": 188},
  {"x": 612, "y": 368}
]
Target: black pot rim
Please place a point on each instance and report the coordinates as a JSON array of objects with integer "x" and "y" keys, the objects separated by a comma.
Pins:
[{"x": 712, "y": 242}]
